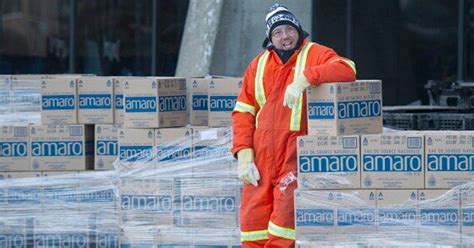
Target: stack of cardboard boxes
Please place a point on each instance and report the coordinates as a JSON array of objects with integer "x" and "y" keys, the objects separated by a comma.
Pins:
[
  {"x": 188, "y": 187},
  {"x": 109, "y": 116},
  {"x": 156, "y": 114},
  {"x": 88, "y": 122},
  {"x": 357, "y": 184},
  {"x": 73, "y": 210}
]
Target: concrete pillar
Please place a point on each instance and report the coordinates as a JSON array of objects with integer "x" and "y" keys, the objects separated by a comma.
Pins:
[
  {"x": 242, "y": 31},
  {"x": 222, "y": 36},
  {"x": 197, "y": 45}
]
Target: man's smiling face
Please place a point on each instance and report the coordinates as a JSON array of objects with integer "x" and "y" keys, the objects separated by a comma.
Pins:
[{"x": 285, "y": 37}]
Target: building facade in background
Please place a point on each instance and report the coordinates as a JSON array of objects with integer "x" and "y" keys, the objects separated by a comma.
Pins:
[
  {"x": 403, "y": 42},
  {"x": 107, "y": 37}
]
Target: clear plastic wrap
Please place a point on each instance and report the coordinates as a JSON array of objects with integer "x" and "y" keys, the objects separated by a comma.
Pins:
[
  {"x": 186, "y": 193},
  {"x": 20, "y": 97},
  {"x": 174, "y": 196},
  {"x": 181, "y": 193},
  {"x": 69, "y": 210},
  {"x": 385, "y": 218}
]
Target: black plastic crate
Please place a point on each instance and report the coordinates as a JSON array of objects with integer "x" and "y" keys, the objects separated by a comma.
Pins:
[
  {"x": 428, "y": 121},
  {"x": 404, "y": 121},
  {"x": 452, "y": 121}
]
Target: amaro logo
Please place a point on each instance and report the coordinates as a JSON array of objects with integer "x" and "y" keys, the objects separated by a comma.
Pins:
[
  {"x": 321, "y": 110},
  {"x": 172, "y": 103},
  {"x": 58, "y": 148},
  {"x": 222, "y": 103},
  {"x": 95, "y": 101},
  {"x": 359, "y": 109},
  {"x": 328, "y": 163},
  {"x": 58, "y": 102},
  {"x": 140, "y": 104},
  {"x": 401, "y": 162},
  {"x": 314, "y": 217}
]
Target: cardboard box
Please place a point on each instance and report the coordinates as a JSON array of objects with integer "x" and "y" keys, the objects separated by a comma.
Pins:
[
  {"x": 58, "y": 101},
  {"x": 54, "y": 232},
  {"x": 328, "y": 162},
  {"x": 315, "y": 216},
  {"x": 211, "y": 153},
  {"x": 449, "y": 159},
  {"x": 173, "y": 143},
  {"x": 397, "y": 213},
  {"x": 199, "y": 88},
  {"x": 345, "y": 108},
  {"x": 95, "y": 97},
  {"x": 222, "y": 98},
  {"x": 328, "y": 216},
  {"x": 106, "y": 146},
  {"x": 356, "y": 215},
  {"x": 14, "y": 148},
  {"x": 14, "y": 231},
  {"x": 135, "y": 144},
  {"x": 147, "y": 202},
  {"x": 392, "y": 161},
  {"x": 439, "y": 213},
  {"x": 155, "y": 102},
  {"x": 97, "y": 198},
  {"x": 60, "y": 195},
  {"x": 59, "y": 147},
  {"x": 22, "y": 196},
  {"x": 20, "y": 99},
  {"x": 26, "y": 92},
  {"x": 209, "y": 202}
]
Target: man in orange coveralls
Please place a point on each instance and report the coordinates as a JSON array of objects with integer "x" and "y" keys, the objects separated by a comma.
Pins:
[{"x": 269, "y": 114}]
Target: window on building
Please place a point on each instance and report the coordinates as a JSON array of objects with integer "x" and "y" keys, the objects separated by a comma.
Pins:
[
  {"x": 405, "y": 43},
  {"x": 34, "y": 43},
  {"x": 171, "y": 20},
  {"x": 329, "y": 24},
  {"x": 113, "y": 37},
  {"x": 469, "y": 27}
]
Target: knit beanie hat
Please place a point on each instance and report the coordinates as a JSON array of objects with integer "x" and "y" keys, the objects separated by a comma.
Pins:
[{"x": 280, "y": 15}]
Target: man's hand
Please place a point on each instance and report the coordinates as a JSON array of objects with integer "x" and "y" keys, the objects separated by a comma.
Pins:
[
  {"x": 294, "y": 90},
  {"x": 247, "y": 169}
]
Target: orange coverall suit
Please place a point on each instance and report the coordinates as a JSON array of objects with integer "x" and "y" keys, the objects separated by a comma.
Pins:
[{"x": 262, "y": 123}]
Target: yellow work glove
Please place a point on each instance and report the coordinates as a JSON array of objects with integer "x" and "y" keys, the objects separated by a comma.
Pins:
[
  {"x": 247, "y": 169},
  {"x": 294, "y": 90}
]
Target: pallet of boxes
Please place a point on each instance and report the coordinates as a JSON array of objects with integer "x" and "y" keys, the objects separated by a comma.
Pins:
[
  {"x": 174, "y": 184},
  {"x": 177, "y": 183},
  {"x": 19, "y": 105},
  {"x": 46, "y": 142},
  {"x": 358, "y": 185}
]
